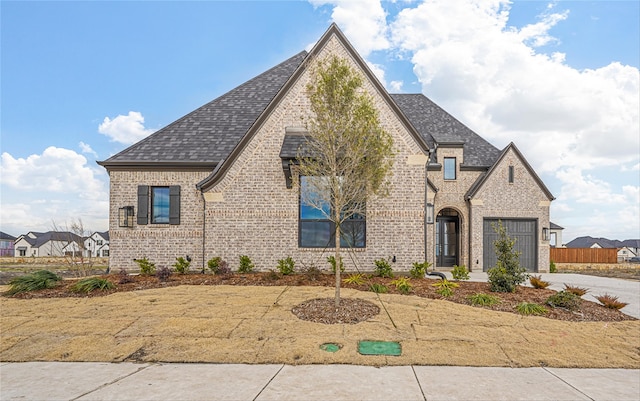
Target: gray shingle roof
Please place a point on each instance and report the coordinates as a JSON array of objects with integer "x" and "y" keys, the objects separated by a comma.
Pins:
[
  {"x": 436, "y": 125},
  {"x": 207, "y": 135}
]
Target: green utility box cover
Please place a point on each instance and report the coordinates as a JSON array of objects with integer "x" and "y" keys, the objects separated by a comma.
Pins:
[
  {"x": 330, "y": 347},
  {"x": 391, "y": 348}
]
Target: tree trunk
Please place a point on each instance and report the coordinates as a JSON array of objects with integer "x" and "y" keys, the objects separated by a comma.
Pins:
[{"x": 338, "y": 262}]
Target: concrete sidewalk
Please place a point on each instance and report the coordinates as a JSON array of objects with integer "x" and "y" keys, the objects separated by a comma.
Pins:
[{"x": 130, "y": 381}]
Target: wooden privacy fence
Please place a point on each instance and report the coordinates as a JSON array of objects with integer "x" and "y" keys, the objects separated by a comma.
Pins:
[{"x": 584, "y": 255}]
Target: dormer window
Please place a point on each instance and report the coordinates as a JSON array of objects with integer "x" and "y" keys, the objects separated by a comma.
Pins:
[{"x": 449, "y": 168}]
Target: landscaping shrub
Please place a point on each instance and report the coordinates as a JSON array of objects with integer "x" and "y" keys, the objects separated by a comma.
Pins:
[
  {"x": 246, "y": 266},
  {"x": 181, "y": 265},
  {"x": 124, "y": 277},
  {"x": 526, "y": 308},
  {"x": 35, "y": 281},
  {"x": 332, "y": 261},
  {"x": 378, "y": 288},
  {"x": 460, "y": 272},
  {"x": 311, "y": 272},
  {"x": 163, "y": 274},
  {"x": 564, "y": 299},
  {"x": 87, "y": 285},
  {"x": 507, "y": 273},
  {"x": 214, "y": 263},
  {"x": 403, "y": 285},
  {"x": 579, "y": 291},
  {"x": 419, "y": 269},
  {"x": 552, "y": 267},
  {"x": 286, "y": 266},
  {"x": 483, "y": 299},
  {"x": 223, "y": 268},
  {"x": 611, "y": 302},
  {"x": 445, "y": 287},
  {"x": 356, "y": 279},
  {"x": 146, "y": 267},
  {"x": 538, "y": 282},
  {"x": 383, "y": 268}
]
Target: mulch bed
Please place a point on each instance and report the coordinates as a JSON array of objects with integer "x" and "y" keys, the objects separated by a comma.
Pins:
[{"x": 587, "y": 310}]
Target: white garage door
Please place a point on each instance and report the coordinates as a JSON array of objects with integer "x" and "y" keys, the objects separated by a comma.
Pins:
[{"x": 524, "y": 231}]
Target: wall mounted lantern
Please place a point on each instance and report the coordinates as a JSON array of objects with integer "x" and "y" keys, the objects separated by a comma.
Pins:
[
  {"x": 125, "y": 216},
  {"x": 545, "y": 234},
  {"x": 429, "y": 212}
]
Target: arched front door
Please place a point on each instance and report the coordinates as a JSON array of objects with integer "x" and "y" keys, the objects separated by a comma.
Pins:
[{"x": 447, "y": 227}]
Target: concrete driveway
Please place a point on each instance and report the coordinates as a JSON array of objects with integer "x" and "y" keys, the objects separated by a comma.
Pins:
[{"x": 626, "y": 290}]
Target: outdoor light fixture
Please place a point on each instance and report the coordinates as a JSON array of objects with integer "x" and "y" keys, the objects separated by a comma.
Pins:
[
  {"x": 125, "y": 216},
  {"x": 429, "y": 211},
  {"x": 545, "y": 234}
]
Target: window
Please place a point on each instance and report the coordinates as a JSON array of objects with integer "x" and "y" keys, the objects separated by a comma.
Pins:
[
  {"x": 99, "y": 242},
  {"x": 315, "y": 230},
  {"x": 162, "y": 203},
  {"x": 511, "y": 174},
  {"x": 105, "y": 252},
  {"x": 449, "y": 168}
]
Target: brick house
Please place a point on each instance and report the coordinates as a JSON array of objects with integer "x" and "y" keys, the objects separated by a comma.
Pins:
[{"x": 217, "y": 182}]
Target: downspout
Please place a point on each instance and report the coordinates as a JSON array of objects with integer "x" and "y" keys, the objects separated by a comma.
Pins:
[
  {"x": 204, "y": 227},
  {"x": 426, "y": 202}
]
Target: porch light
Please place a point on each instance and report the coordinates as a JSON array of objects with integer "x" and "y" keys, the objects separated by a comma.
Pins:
[
  {"x": 545, "y": 234},
  {"x": 429, "y": 213},
  {"x": 125, "y": 216}
]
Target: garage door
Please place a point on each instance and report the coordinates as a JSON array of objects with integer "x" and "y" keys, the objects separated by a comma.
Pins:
[{"x": 524, "y": 231}]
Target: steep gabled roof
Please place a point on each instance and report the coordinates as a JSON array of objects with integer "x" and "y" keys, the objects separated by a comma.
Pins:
[
  {"x": 483, "y": 178},
  {"x": 207, "y": 135},
  {"x": 6, "y": 237},
  {"x": 43, "y": 238},
  {"x": 554, "y": 226},
  {"x": 588, "y": 242},
  {"x": 437, "y": 126}
]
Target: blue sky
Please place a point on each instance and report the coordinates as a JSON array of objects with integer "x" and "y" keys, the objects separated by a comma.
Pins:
[{"x": 80, "y": 81}]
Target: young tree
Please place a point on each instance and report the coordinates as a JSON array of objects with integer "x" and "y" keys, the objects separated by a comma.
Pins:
[
  {"x": 347, "y": 156},
  {"x": 507, "y": 273}
]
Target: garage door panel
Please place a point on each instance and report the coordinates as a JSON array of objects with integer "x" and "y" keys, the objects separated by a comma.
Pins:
[{"x": 524, "y": 232}]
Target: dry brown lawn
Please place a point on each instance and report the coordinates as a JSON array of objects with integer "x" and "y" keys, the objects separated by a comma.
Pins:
[{"x": 255, "y": 325}]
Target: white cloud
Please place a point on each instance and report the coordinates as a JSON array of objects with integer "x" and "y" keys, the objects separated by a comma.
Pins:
[
  {"x": 362, "y": 21},
  {"x": 127, "y": 129},
  {"x": 85, "y": 148},
  {"x": 66, "y": 188},
  {"x": 396, "y": 86}
]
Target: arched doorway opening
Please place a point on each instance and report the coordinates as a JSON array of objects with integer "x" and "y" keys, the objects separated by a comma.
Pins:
[{"x": 447, "y": 238}]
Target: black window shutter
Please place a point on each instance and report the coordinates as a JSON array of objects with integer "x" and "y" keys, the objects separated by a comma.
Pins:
[
  {"x": 174, "y": 204},
  {"x": 143, "y": 204}
]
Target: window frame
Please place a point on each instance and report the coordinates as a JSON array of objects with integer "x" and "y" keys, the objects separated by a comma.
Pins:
[
  {"x": 446, "y": 169},
  {"x": 146, "y": 205},
  {"x": 356, "y": 219},
  {"x": 512, "y": 174},
  {"x": 162, "y": 217}
]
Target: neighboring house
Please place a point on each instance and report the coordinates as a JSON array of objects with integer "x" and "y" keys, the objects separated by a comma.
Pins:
[
  {"x": 51, "y": 243},
  {"x": 555, "y": 235},
  {"x": 218, "y": 182},
  {"x": 626, "y": 249},
  {"x": 97, "y": 244},
  {"x": 6, "y": 244}
]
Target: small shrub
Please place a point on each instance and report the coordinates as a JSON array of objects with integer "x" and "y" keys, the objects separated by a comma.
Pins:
[
  {"x": 579, "y": 291},
  {"x": 163, "y": 274},
  {"x": 356, "y": 279},
  {"x": 445, "y": 287},
  {"x": 419, "y": 270},
  {"x": 611, "y": 302},
  {"x": 403, "y": 285},
  {"x": 564, "y": 299},
  {"x": 124, "y": 277},
  {"x": 87, "y": 285},
  {"x": 246, "y": 266},
  {"x": 332, "y": 261},
  {"x": 507, "y": 273},
  {"x": 460, "y": 272},
  {"x": 35, "y": 281},
  {"x": 311, "y": 272},
  {"x": 526, "y": 308},
  {"x": 383, "y": 268},
  {"x": 483, "y": 299},
  {"x": 286, "y": 266},
  {"x": 146, "y": 268},
  {"x": 214, "y": 263},
  {"x": 272, "y": 275},
  {"x": 378, "y": 288},
  {"x": 224, "y": 268},
  {"x": 181, "y": 265},
  {"x": 538, "y": 282},
  {"x": 552, "y": 267}
]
